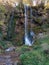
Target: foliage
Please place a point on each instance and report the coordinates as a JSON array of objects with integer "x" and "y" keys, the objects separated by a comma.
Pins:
[
  {"x": 3, "y": 45},
  {"x": 2, "y": 9},
  {"x": 33, "y": 58},
  {"x": 36, "y": 55}
]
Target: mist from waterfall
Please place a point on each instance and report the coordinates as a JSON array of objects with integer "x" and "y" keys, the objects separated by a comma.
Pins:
[{"x": 28, "y": 37}]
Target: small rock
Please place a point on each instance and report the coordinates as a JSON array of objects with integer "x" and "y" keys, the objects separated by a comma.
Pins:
[{"x": 10, "y": 49}]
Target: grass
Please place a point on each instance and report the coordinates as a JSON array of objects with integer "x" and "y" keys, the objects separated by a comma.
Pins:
[
  {"x": 35, "y": 55},
  {"x": 33, "y": 58}
]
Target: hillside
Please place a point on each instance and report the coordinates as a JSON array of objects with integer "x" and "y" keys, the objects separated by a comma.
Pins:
[{"x": 24, "y": 32}]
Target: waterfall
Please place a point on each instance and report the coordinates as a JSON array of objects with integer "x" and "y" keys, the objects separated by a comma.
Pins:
[
  {"x": 28, "y": 37},
  {"x": 26, "y": 23},
  {"x": 27, "y": 41},
  {"x": 31, "y": 32}
]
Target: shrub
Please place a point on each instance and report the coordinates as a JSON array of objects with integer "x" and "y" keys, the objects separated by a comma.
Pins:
[{"x": 33, "y": 58}]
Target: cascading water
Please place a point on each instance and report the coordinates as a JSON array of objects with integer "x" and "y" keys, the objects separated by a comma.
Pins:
[
  {"x": 28, "y": 37},
  {"x": 31, "y": 32},
  {"x": 26, "y": 23}
]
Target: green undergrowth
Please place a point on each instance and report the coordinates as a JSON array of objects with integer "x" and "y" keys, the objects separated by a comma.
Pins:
[
  {"x": 45, "y": 40},
  {"x": 3, "y": 45},
  {"x": 35, "y": 55}
]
